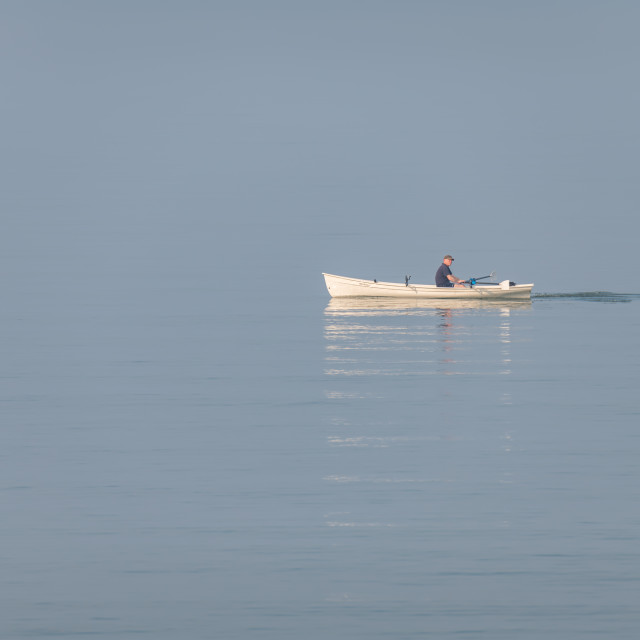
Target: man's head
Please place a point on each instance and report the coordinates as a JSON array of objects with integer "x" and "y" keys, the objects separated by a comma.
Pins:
[{"x": 448, "y": 259}]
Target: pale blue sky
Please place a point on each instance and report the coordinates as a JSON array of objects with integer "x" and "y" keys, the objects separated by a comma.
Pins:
[{"x": 365, "y": 138}]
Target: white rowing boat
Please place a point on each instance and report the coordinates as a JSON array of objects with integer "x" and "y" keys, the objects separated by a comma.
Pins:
[{"x": 342, "y": 287}]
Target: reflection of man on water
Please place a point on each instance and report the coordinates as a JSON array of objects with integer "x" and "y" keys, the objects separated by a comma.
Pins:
[
  {"x": 444, "y": 277},
  {"x": 446, "y": 361}
]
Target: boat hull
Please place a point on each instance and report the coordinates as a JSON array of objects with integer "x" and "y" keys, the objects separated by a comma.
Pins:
[{"x": 343, "y": 287}]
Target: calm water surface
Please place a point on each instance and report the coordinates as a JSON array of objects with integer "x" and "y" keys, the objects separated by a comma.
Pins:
[{"x": 243, "y": 468}]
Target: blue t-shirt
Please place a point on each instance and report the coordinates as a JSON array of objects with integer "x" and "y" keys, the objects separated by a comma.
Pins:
[{"x": 441, "y": 276}]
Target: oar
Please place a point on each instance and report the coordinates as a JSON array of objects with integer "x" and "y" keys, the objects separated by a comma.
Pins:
[{"x": 472, "y": 281}]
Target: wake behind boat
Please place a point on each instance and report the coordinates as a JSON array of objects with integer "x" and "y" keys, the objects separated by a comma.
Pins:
[{"x": 343, "y": 287}]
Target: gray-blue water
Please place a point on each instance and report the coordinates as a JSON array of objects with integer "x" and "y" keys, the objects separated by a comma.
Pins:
[
  {"x": 195, "y": 442},
  {"x": 181, "y": 463}
]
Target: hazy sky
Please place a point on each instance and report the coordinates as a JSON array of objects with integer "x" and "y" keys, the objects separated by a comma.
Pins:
[{"x": 359, "y": 137}]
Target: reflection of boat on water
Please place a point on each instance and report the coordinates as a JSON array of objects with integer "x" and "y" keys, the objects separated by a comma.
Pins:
[
  {"x": 341, "y": 287},
  {"x": 386, "y": 336},
  {"x": 369, "y": 305}
]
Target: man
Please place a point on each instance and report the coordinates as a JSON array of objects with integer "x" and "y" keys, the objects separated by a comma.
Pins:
[{"x": 444, "y": 277}]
